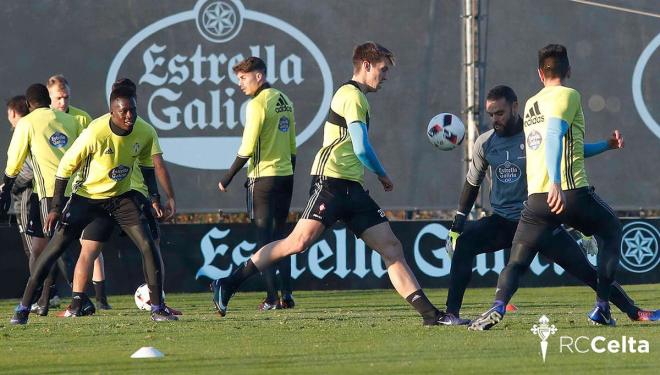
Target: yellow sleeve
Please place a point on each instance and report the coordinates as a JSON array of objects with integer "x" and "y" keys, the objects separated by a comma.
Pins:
[
  {"x": 292, "y": 132},
  {"x": 19, "y": 147},
  {"x": 81, "y": 148},
  {"x": 152, "y": 147},
  {"x": 254, "y": 119},
  {"x": 565, "y": 106},
  {"x": 355, "y": 108}
]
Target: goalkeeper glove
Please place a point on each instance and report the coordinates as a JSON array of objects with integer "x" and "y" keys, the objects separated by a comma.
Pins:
[
  {"x": 589, "y": 244},
  {"x": 454, "y": 231}
]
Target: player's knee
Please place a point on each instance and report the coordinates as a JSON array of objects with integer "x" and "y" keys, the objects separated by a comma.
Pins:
[{"x": 392, "y": 251}]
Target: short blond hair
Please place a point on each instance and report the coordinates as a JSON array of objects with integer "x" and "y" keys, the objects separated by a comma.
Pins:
[{"x": 58, "y": 81}]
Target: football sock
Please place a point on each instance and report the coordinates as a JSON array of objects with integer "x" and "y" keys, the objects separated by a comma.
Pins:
[
  {"x": 421, "y": 303},
  {"x": 99, "y": 290},
  {"x": 242, "y": 273},
  {"x": 155, "y": 297},
  {"x": 77, "y": 299},
  {"x": 500, "y": 306}
]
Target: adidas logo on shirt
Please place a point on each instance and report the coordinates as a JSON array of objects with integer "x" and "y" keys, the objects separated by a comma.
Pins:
[
  {"x": 282, "y": 105},
  {"x": 109, "y": 151},
  {"x": 534, "y": 116}
]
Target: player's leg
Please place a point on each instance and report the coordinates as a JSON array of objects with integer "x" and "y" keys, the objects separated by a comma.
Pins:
[
  {"x": 564, "y": 251},
  {"x": 74, "y": 218},
  {"x": 282, "y": 206},
  {"x": 260, "y": 203},
  {"x": 587, "y": 213},
  {"x": 98, "y": 281},
  {"x": 125, "y": 209}
]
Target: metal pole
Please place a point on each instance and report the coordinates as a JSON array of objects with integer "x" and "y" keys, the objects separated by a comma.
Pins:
[{"x": 471, "y": 57}]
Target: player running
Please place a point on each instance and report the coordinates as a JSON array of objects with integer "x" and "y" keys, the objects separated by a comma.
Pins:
[
  {"x": 501, "y": 151},
  {"x": 337, "y": 191}
]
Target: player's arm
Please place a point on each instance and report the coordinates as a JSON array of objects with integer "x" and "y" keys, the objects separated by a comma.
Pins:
[
  {"x": 152, "y": 166},
  {"x": 255, "y": 116},
  {"x": 72, "y": 159},
  {"x": 614, "y": 142},
  {"x": 165, "y": 181},
  {"x": 24, "y": 179},
  {"x": 16, "y": 154},
  {"x": 556, "y": 129},
  {"x": 473, "y": 179},
  {"x": 292, "y": 140}
]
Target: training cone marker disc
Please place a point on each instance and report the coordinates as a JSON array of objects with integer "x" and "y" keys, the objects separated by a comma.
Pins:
[{"x": 147, "y": 352}]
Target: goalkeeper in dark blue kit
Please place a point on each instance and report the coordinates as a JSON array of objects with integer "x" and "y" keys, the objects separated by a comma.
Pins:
[{"x": 502, "y": 150}]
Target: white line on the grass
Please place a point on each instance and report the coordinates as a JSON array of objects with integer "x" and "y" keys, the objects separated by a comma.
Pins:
[{"x": 586, "y": 2}]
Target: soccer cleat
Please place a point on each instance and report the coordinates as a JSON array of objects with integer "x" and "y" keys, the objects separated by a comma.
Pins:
[
  {"x": 162, "y": 314},
  {"x": 450, "y": 319},
  {"x": 221, "y": 296},
  {"x": 39, "y": 310},
  {"x": 20, "y": 315},
  {"x": 287, "y": 302},
  {"x": 55, "y": 301},
  {"x": 103, "y": 304},
  {"x": 172, "y": 310},
  {"x": 488, "y": 319},
  {"x": 647, "y": 316},
  {"x": 269, "y": 305},
  {"x": 601, "y": 316},
  {"x": 439, "y": 315},
  {"x": 86, "y": 309}
]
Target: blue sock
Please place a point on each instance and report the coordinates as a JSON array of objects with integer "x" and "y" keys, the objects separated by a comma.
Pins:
[
  {"x": 156, "y": 308},
  {"x": 499, "y": 306},
  {"x": 605, "y": 305},
  {"x": 20, "y": 307}
]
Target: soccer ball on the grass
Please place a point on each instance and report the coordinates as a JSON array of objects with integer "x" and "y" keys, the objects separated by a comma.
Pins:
[
  {"x": 142, "y": 299},
  {"x": 445, "y": 131}
]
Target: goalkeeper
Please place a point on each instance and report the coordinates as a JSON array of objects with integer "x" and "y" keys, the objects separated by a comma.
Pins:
[{"x": 502, "y": 150}]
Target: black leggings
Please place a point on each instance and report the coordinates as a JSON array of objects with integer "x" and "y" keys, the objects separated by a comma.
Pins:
[
  {"x": 268, "y": 201},
  {"x": 81, "y": 211},
  {"x": 584, "y": 211}
]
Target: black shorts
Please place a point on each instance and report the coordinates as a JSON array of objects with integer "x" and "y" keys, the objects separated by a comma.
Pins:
[
  {"x": 30, "y": 215},
  {"x": 583, "y": 210},
  {"x": 81, "y": 211},
  {"x": 269, "y": 197},
  {"x": 333, "y": 199},
  {"x": 100, "y": 229}
]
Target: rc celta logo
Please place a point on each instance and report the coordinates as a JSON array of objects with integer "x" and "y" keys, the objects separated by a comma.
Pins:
[
  {"x": 187, "y": 89},
  {"x": 543, "y": 331}
]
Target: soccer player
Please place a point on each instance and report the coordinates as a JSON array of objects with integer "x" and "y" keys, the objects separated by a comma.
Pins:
[
  {"x": 269, "y": 143},
  {"x": 501, "y": 151},
  {"x": 100, "y": 230},
  {"x": 337, "y": 191},
  {"x": 60, "y": 96},
  {"x": 106, "y": 154},
  {"x": 559, "y": 192},
  {"x": 45, "y": 134}
]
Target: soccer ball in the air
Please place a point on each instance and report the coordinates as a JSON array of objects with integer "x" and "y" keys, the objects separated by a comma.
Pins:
[
  {"x": 142, "y": 299},
  {"x": 445, "y": 131}
]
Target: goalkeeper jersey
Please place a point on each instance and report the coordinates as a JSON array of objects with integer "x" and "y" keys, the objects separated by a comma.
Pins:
[
  {"x": 562, "y": 103},
  {"x": 45, "y": 134},
  {"x": 269, "y": 137},
  {"x": 336, "y": 157},
  {"x": 107, "y": 160}
]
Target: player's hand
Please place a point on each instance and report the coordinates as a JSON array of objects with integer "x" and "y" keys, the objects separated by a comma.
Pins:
[
  {"x": 222, "y": 188},
  {"x": 615, "y": 141},
  {"x": 450, "y": 242},
  {"x": 51, "y": 222},
  {"x": 388, "y": 185},
  {"x": 5, "y": 198},
  {"x": 170, "y": 209},
  {"x": 556, "y": 199},
  {"x": 589, "y": 244},
  {"x": 158, "y": 210}
]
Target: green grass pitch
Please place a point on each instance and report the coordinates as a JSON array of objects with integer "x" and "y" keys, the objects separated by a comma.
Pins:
[{"x": 329, "y": 332}]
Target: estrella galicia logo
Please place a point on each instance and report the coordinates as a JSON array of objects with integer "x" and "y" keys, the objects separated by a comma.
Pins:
[
  {"x": 534, "y": 140},
  {"x": 283, "y": 125},
  {"x": 58, "y": 140},
  {"x": 191, "y": 93},
  {"x": 119, "y": 172},
  {"x": 508, "y": 172},
  {"x": 639, "y": 247}
]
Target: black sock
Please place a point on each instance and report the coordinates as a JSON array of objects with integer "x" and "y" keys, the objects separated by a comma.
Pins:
[
  {"x": 421, "y": 303},
  {"x": 242, "y": 273},
  {"x": 154, "y": 297},
  {"x": 99, "y": 290},
  {"x": 77, "y": 299}
]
